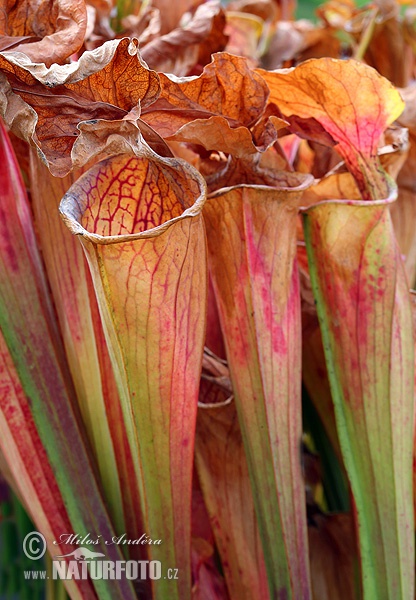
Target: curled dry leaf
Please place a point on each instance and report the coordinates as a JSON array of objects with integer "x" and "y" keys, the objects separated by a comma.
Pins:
[
  {"x": 98, "y": 27},
  {"x": 247, "y": 171},
  {"x": 183, "y": 48},
  {"x": 52, "y": 29},
  {"x": 351, "y": 102},
  {"x": 215, "y": 133},
  {"x": 212, "y": 93},
  {"x": 171, "y": 13},
  {"x": 57, "y": 99},
  {"x": 297, "y": 41},
  {"x": 207, "y": 110},
  {"x": 145, "y": 25},
  {"x": 264, "y": 132}
]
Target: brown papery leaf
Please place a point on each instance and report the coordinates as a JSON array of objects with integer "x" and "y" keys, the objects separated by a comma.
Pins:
[
  {"x": 299, "y": 40},
  {"x": 248, "y": 171},
  {"x": 55, "y": 28},
  {"x": 215, "y": 133},
  {"x": 264, "y": 132},
  {"x": 8, "y": 42},
  {"x": 183, "y": 48},
  {"x": 145, "y": 25},
  {"x": 213, "y": 93},
  {"x": 171, "y": 12},
  {"x": 57, "y": 99},
  {"x": 388, "y": 50},
  {"x": 99, "y": 12}
]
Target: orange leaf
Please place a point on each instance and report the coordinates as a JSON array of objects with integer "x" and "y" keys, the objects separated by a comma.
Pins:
[
  {"x": 171, "y": 12},
  {"x": 61, "y": 24},
  {"x": 183, "y": 48},
  {"x": 215, "y": 133},
  {"x": 227, "y": 88},
  {"x": 62, "y": 97},
  {"x": 352, "y": 103}
]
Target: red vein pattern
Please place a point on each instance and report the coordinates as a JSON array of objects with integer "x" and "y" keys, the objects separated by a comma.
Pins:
[
  {"x": 252, "y": 246},
  {"x": 152, "y": 297}
]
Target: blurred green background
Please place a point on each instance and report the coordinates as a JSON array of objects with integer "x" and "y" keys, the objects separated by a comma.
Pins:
[{"x": 306, "y": 9}]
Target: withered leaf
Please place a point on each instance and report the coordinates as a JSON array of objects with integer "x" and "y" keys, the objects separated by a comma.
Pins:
[
  {"x": 104, "y": 84},
  {"x": 181, "y": 49},
  {"x": 248, "y": 171},
  {"x": 215, "y": 133},
  {"x": 172, "y": 12},
  {"x": 214, "y": 92},
  {"x": 51, "y": 30},
  {"x": 228, "y": 94},
  {"x": 145, "y": 25},
  {"x": 299, "y": 41}
]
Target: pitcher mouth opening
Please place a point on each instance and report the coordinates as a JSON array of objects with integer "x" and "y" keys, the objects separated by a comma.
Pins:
[
  {"x": 301, "y": 182},
  {"x": 127, "y": 197},
  {"x": 392, "y": 197}
]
